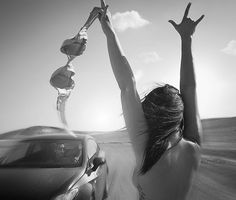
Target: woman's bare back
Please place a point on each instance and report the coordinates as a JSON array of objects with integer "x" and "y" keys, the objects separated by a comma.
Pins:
[{"x": 171, "y": 177}]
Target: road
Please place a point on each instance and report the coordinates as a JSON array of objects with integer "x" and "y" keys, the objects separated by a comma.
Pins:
[{"x": 216, "y": 179}]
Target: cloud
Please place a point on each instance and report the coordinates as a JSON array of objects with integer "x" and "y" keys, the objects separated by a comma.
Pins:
[
  {"x": 149, "y": 57},
  {"x": 230, "y": 48},
  {"x": 128, "y": 19}
]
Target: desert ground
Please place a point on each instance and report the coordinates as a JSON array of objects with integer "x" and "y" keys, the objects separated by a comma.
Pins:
[{"x": 216, "y": 179}]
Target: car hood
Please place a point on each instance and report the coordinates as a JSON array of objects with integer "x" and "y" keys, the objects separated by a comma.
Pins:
[{"x": 36, "y": 183}]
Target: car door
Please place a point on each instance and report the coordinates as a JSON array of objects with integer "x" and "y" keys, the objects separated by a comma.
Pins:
[
  {"x": 91, "y": 154},
  {"x": 97, "y": 176}
]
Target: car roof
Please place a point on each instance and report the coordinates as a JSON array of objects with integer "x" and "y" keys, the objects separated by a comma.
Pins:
[{"x": 44, "y": 132}]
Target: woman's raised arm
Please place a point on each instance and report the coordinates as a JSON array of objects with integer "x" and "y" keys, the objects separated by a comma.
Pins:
[
  {"x": 131, "y": 103},
  {"x": 192, "y": 124}
]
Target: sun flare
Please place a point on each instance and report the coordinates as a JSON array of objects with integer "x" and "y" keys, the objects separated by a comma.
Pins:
[{"x": 102, "y": 119}]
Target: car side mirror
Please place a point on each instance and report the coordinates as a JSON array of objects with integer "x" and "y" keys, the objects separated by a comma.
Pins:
[{"x": 98, "y": 161}]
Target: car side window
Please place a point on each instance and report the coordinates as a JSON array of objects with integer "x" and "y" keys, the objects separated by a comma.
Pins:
[{"x": 92, "y": 148}]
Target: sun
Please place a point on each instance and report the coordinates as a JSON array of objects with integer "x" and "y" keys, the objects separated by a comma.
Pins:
[
  {"x": 102, "y": 119},
  {"x": 96, "y": 115}
]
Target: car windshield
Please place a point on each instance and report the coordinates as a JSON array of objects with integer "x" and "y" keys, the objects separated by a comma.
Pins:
[{"x": 41, "y": 153}]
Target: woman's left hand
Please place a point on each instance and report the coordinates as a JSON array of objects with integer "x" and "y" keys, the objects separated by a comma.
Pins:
[{"x": 187, "y": 26}]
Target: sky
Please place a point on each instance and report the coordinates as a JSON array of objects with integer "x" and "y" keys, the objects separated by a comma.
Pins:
[{"x": 31, "y": 33}]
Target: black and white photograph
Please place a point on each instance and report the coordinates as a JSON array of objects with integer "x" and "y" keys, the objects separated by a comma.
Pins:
[{"x": 118, "y": 100}]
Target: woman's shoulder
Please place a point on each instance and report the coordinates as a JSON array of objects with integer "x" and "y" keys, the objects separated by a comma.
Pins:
[
  {"x": 190, "y": 152},
  {"x": 185, "y": 154},
  {"x": 189, "y": 146}
]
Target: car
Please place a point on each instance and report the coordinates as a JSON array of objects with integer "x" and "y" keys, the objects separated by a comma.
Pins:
[{"x": 47, "y": 163}]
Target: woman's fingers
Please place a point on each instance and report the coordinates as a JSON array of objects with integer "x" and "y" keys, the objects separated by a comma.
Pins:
[
  {"x": 186, "y": 15},
  {"x": 200, "y": 19},
  {"x": 187, "y": 25},
  {"x": 104, "y": 8},
  {"x": 97, "y": 9},
  {"x": 173, "y": 23},
  {"x": 186, "y": 11},
  {"x": 104, "y": 12},
  {"x": 103, "y": 4}
]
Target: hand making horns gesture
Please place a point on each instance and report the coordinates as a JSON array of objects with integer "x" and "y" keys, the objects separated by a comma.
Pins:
[{"x": 187, "y": 26}]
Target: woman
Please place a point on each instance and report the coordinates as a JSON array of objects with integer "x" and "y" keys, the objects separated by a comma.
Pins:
[{"x": 167, "y": 153}]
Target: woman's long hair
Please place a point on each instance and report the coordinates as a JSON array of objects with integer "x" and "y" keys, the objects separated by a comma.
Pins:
[{"x": 163, "y": 109}]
